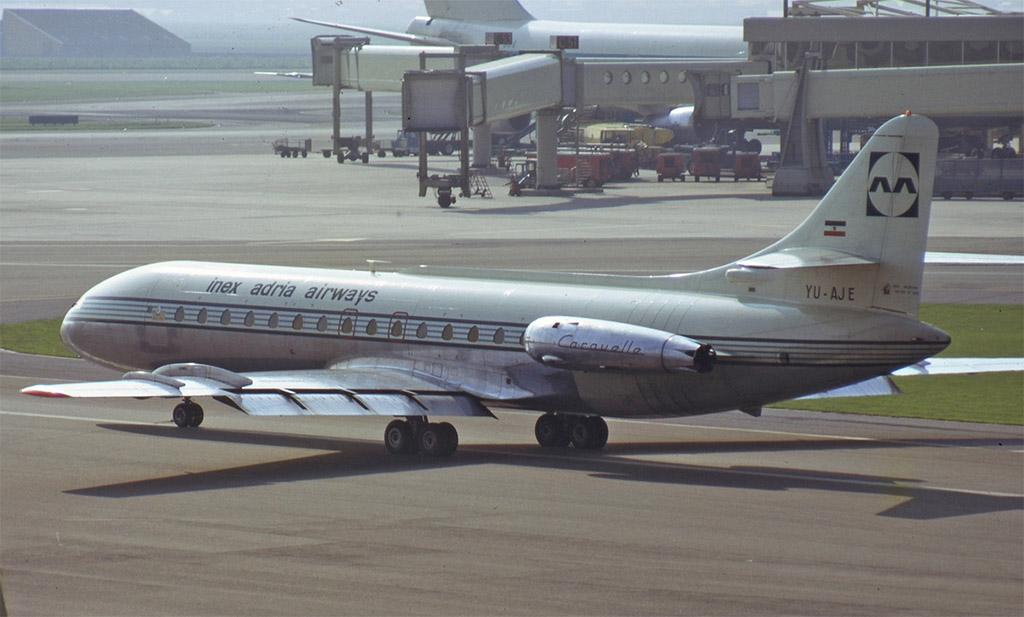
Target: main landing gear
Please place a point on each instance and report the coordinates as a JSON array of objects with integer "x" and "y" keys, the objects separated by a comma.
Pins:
[
  {"x": 187, "y": 414},
  {"x": 418, "y": 435},
  {"x": 555, "y": 430}
]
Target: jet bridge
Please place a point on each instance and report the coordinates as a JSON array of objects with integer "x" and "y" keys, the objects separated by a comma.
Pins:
[
  {"x": 454, "y": 100},
  {"x": 448, "y": 89},
  {"x": 801, "y": 99}
]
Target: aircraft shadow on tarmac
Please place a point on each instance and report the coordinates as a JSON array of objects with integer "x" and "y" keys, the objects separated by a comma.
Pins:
[{"x": 352, "y": 457}]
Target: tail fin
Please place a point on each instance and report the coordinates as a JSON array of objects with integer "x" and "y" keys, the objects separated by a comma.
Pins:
[
  {"x": 864, "y": 244},
  {"x": 477, "y": 10}
]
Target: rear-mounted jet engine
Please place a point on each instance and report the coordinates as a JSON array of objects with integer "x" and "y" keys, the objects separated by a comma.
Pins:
[{"x": 582, "y": 344}]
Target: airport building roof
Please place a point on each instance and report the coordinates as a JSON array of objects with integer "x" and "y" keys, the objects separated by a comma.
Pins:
[
  {"x": 85, "y": 33},
  {"x": 876, "y": 41}
]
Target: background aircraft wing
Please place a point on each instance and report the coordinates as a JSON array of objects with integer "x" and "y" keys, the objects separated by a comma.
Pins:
[
  {"x": 388, "y": 34},
  {"x": 349, "y": 392},
  {"x": 295, "y": 74},
  {"x": 972, "y": 259},
  {"x": 881, "y": 386},
  {"x": 954, "y": 366}
]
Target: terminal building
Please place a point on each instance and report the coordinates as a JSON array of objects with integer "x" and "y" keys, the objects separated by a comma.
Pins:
[
  {"x": 885, "y": 41},
  {"x": 85, "y": 33}
]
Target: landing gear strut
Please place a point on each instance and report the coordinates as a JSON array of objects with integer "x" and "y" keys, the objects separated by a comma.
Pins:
[
  {"x": 187, "y": 414},
  {"x": 555, "y": 430},
  {"x": 417, "y": 435}
]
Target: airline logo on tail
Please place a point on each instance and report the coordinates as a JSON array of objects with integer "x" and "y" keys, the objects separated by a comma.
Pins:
[{"x": 893, "y": 179}]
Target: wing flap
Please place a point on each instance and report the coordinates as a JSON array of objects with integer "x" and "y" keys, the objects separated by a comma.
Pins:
[
  {"x": 353, "y": 403},
  {"x": 285, "y": 393}
]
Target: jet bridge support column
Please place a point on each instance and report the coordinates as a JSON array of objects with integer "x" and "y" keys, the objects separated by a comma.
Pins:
[
  {"x": 369, "y": 125},
  {"x": 482, "y": 145},
  {"x": 547, "y": 148},
  {"x": 804, "y": 167}
]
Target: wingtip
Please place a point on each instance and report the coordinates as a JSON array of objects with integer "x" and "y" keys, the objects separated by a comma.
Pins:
[{"x": 37, "y": 391}]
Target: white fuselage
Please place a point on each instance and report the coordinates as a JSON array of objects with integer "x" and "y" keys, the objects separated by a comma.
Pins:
[
  {"x": 466, "y": 332},
  {"x": 595, "y": 39}
]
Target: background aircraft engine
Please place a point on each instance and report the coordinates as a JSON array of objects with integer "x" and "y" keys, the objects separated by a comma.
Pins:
[
  {"x": 582, "y": 344},
  {"x": 688, "y": 128}
]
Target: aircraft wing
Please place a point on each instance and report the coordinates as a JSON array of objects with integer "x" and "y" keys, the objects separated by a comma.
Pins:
[
  {"x": 388, "y": 34},
  {"x": 350, "y": 392},
  {"x": 294, "y": 74}
]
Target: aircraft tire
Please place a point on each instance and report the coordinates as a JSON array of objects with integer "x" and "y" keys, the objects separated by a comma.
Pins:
[
  {"x": 600, "y": 432},
  {"x": 588, "y": 432},
  {"x": 187, "y": 415},
  {"x": 197, "y": 416},
  {"x": 180, "y": 415},
  {"x": 551, "y": 431},
  {"x": 399, "y": 438},
  {"x": 438, "y": 440},
  {"x": 452, "y": 437}
]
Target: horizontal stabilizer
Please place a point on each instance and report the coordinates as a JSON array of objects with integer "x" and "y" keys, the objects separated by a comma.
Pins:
[
  {"x": 804, "y": 257},
  {"x": 876, "y": 386}
]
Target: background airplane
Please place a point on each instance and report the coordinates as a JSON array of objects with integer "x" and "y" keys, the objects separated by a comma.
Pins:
[
  {"x": 462, "y": 22},
  {"x": 513, "y": 28},
  {"x": 831, "y": 304}
]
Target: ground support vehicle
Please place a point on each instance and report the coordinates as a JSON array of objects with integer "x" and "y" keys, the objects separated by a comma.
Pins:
[
  {"x": 525, "y": 175},
  {"x": 408, "y": 143},
  {"x": 285, "y": 150},
  {"x": 971, "y": 177},
  {"x": 444, "y": 188},
  {"x": 588, "y": 169},
  {"x": 348, "y": 148},
  {"x": 670, "y": 166},
  {"x": 707, "y": 163},
  {"x": 746, "y": 165}
]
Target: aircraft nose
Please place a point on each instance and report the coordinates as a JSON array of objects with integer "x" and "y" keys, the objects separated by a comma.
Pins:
[{"x": 70, "y": 329}]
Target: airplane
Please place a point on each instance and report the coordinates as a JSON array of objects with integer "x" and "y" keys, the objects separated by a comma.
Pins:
[
  {"x": 513, "y": 28},
  {"x": 831, "y": 304}
]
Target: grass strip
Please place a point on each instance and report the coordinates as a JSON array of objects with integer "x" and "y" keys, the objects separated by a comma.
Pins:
[
  {"x": 62, "y": 91},
  {"x": 22, "y": 124},
  {"x": 40, "y": 337},
  {"x": 978, "y": 330}
]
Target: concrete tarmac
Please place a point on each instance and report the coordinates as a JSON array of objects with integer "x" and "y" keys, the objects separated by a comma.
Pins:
[{"x": 107, "y": 508}]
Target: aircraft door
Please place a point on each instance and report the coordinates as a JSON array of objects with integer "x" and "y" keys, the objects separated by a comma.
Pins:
[
  {"x": 348, "y": 322},
  {"x": 397, "y": 326}
]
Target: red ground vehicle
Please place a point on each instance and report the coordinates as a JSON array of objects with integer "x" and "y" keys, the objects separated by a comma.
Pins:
[
  {"x": 707, "y": 162},
  {"x": 670, "y": 165},
  {"x": 587, "y": 169},
  {"x": 747, "y": 165}
]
